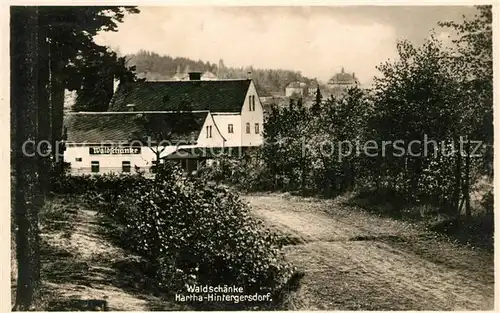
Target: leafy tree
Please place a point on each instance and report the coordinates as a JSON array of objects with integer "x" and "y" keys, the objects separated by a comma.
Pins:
[
  {"x": 339, "y": 124},
  {"x": 414, "y": 98},
  {"x": 158, "y": 130},
  {"x": 316, "y": 107},
  {"x": 432, "y": 95},
  {"x": 472, "y": 63},
  {"x": 70, "y": 33},
  {"x": 97, "y": 74},
  {"x": 274, "y": 145},
  {"x": 45, "y": 43}
]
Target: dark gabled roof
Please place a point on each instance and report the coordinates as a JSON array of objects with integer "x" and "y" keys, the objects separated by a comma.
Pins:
[
  {"x": 212, "y": 95},
  {"x": 99, "y": 127}
]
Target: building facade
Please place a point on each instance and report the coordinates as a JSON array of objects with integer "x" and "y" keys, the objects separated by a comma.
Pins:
[
  {"x": 296, "y": 89},
  {"x": 148, "y": 121},
  {"x": 340, "y": 82}
]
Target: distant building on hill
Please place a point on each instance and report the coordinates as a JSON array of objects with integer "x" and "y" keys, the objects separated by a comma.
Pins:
[
  {"x": 178, "y": 76},
  {"x": 296, "y": 89},
  {"x": 208, "y": 76},
  {"x": 341, "y": 81}
]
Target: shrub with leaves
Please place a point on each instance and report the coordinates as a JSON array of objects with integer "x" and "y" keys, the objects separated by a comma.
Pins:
[
  {"x": 190, "y": 231},
  {"x": 247, "y": 172}
]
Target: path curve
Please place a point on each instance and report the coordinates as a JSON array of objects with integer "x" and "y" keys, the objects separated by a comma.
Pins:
[{"x": 357, "y": 261}]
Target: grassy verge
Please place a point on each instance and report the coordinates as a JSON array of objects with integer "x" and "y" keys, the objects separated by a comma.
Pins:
[
  {"x": 476, "y": 232},
  {"x": 83, "y": 271}
]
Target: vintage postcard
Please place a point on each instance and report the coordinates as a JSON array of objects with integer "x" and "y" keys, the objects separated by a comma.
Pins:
[{"x": 171, "y": 157}]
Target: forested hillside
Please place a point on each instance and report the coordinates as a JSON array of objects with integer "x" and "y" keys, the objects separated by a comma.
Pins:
[{"x": 158, "y": 67}]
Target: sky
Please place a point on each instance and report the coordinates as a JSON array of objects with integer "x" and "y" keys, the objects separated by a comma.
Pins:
[{"x": 317, "y": 41}]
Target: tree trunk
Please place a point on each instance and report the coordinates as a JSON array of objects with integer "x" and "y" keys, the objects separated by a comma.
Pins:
[
  {"x": 44, "y": 113},
  {"x": 458, "y": 182},
  {"x": 57, "y": 102},
  {"x": 467, "y": 181},
  {"x": 28, "y": 200},
  {"x": 303, "y": 175},
  {"x": 327, "y": 181}
]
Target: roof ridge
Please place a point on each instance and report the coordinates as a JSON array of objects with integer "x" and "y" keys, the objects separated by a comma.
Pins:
[
  {"x": 133, "y": 112},
  {"x": 199, "y": 80},
  {"x": 226, "y": 95}
]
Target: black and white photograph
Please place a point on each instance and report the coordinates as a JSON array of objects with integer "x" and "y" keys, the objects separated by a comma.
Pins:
[{"x": 250, "y": 157}]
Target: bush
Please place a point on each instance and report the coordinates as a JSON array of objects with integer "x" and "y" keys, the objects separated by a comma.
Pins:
[
  {"x": 247, "y": 172},
  {"x": 193, "y": 233}
]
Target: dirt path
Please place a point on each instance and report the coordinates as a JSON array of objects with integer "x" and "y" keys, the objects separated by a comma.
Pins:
[
  {"x": 81, "y": 270},
  {"x": 357, "y": 261}
]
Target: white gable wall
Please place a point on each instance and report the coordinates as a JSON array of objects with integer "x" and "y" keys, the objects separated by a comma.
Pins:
[
  {"x": 223, "y": 121},
  {"x": 252, "y": 117},
  {"x": 205, "y": 140}
]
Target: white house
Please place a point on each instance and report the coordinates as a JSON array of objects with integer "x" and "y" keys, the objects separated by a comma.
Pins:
[
  {"x": 296, "y": 88},
  {"x": 194, "y": 115}
]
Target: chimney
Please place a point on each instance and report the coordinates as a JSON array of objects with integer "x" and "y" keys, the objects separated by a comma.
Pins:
[
  {"x": 194, "y": 75},
  {"x": 249, "y": 75},
  {"x": 131, "y": 107}
]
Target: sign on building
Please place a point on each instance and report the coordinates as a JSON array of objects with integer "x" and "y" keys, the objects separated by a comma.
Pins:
[{"x": 114, "y": 150}]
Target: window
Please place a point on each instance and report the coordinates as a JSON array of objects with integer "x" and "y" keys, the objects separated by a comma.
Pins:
[
  {"x": 209, "y": 131},
  {"x": 251, "y": 103},
  {"x": 257, "y": 130},
  {"x": 126, "y": 166},
  {"x": 230, "y": 128},
  {"x": 153, "y": 165},
  {"x": 248, "y": 128},
  {"x": 78, "y": 159},
  {"x": 94, "y": 165}
]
